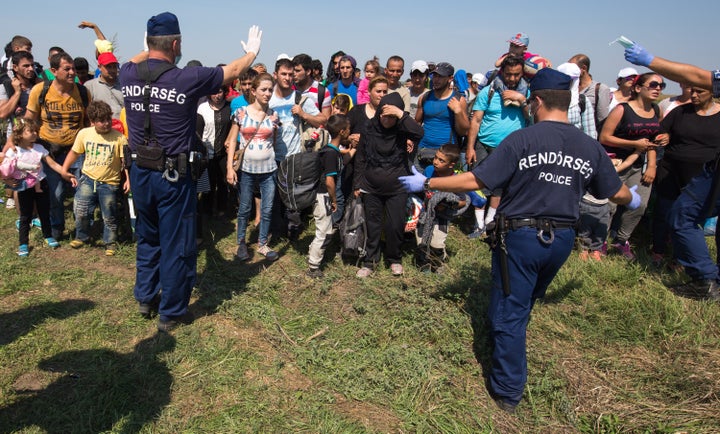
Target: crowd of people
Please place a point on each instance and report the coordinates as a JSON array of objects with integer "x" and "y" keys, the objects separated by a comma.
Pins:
[{"x": 200, "y": 143}]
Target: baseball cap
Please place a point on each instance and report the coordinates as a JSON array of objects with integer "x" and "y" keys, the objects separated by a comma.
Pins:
[
  {"x": 103, "y": 46},
  {"x": 520, "y": 39},
  {"x": 419, "y": 65},
  {"x": 163, "y": 24},
  {"x": 283, "y": 56},
  {"x": 445, "y": 69},
  {"x": 479, "y": 78},
  {"x": 627, "y": 72},
  {"x": 107, "y": 59},
  {"x": 550, "y": 79},
  {"x": 570, "y": 69}
]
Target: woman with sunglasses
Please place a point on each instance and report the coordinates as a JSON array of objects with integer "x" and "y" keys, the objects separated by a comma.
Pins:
[
  {"x": 625, "y": 81},
  {"x": 694, "y": 131},
  {"x": 635, "y": 126}
]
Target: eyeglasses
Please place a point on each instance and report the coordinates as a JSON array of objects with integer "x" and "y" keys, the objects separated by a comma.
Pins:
[{"x": 655, "y": 85}]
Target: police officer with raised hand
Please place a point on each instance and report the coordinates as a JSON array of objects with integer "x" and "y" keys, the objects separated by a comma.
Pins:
[
  {"x": 543, "y": 170},
  {"x": 700, "y": 198},
  {"x": 161, "y": 104}
]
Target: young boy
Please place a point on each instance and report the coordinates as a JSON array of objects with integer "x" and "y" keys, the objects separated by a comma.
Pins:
[
  {"x": 439, "y": 208},
  {"x": 326, "y": 204},
  {"x": 102, "y": 168}
]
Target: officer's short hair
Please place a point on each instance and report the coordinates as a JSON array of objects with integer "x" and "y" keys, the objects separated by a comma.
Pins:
[
  {"x": 553, "y": 99},
  {"x": 162, "y": 43}
]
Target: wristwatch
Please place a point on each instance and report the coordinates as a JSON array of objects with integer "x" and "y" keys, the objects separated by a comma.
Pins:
[
  {"x": 523, "y": 104},
  {"x": 426, "y": 184}
]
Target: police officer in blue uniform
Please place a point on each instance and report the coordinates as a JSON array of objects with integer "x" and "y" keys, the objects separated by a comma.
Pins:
[
  {"x": 161, "y": 104},
  {"x": 543, "y": 171},
  {"x": 700, "y": 198}
]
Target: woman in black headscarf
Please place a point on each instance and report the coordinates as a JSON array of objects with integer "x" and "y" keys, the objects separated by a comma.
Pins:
[{"x": 382, "y": 156}]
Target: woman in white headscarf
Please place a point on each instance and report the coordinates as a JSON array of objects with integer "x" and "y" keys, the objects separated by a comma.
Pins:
[{"x": 580, "y": 113}]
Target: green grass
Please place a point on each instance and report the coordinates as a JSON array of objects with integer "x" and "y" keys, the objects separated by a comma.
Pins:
[{"x": 610, "y": 349}]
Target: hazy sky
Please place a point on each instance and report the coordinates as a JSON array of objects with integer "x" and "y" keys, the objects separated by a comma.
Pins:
[{"x": 468, "y": 34}]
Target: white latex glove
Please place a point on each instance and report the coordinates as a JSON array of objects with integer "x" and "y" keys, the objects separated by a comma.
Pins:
[{"x": 253, "y": 42}]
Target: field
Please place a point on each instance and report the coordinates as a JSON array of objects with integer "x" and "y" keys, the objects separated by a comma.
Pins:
[{"x": 609, "y": 350}]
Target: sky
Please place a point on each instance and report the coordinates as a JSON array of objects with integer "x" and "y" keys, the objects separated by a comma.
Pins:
[{"x": 468, "y": 34}]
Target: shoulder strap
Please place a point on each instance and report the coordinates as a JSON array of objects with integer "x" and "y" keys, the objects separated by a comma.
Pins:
[
  {"x": 83, "y": 94},
  {"x": 490, "y": 81},
  {"x": 321, "y": 96},
  {"x": 597, "y": 100},
  {"x": 582, "y": 102},
  {"x": 43, "y": 93},
  {"x": 149, "y": 77},
  {"x": 298, "y": 97}
]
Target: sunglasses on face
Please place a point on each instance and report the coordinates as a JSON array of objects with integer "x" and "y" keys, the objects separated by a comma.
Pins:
[{"x": 656, "y": 85}]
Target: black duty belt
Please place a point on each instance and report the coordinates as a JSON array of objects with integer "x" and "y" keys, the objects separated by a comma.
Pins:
[{"x": 539, "y": 223}]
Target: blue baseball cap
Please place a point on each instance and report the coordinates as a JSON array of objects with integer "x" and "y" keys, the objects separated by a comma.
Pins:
[
  {"x": 163, "y": 24},
  {"x": 550, "y": 79},
  {"x": 520, "y": 39}
]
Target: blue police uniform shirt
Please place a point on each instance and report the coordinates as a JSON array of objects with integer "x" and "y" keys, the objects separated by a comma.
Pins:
[
  {"x": 173, "y": 103},
  {"x": 545, "y": 169}
]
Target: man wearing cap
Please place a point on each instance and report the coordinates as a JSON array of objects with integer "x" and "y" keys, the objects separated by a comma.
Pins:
[
  {"x": 418, "y": 84},
  {"x": 477, "y": 82},
  {"x": 543, "y": 170},
  {"x": 699, "y": 199},
  {"x": 394, "y": 69},
  {"x": 107, "y": 87},
  {"x": 499, "y": 109},
  {"x": 443, "y": 114},
  {"x": 161, "y": 125}
]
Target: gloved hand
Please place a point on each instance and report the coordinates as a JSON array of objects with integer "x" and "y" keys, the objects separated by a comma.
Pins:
[
  {"x": 636, "y": 199},
  {"x": 637, "y": 55},
  {"x": 253, "y": 42},
  {"x": 413, "y": 183}
]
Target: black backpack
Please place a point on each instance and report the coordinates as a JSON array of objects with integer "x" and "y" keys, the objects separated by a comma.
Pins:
[
  {"x": 298, "y": 178},
  {"x": 353, "y": 230}
]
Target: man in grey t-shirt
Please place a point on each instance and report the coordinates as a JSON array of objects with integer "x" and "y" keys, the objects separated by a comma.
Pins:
[{"x": 598, "y": 95}]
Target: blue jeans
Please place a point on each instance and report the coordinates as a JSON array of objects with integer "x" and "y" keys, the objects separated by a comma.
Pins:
[
  {"x": 88, "y": 194},
  {"x": 58, "y": 186},
  {"x": 689, "y": 247},
  {"x": 266, "y": 183}
]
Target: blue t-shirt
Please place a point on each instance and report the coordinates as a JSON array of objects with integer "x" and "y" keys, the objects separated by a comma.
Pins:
[
  {"x": 545, "y": 169},
  {"x": 173, "y": 103},
  {"x": 438, "y": 121},
  {"x": 238, "y": 102},
  {"x": 338, "y": 87},
  {"x": 498, "y": 121}
]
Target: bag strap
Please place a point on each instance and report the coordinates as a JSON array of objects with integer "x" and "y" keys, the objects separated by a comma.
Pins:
[{"x": 150, "y": 77}]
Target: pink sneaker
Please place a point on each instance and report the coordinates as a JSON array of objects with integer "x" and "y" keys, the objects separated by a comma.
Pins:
[
  {"x": 625, "y": 250},
  {"x": 596, "y": 255},
  {"x": 584, "y": 255}
]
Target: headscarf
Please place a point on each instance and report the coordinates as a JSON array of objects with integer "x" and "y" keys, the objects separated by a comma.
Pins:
[{"x": 573, "y": 71}]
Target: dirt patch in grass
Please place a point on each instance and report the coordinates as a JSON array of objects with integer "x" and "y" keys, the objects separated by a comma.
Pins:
[{"x": 372, "y": 417}]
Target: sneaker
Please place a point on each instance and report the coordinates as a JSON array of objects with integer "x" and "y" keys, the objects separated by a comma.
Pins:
[
  {"x": 242, "y": 252},
  {"x": 23, "y": 251},
  {"x": 10, "y": 203},
  {"x": 595, "y": 255},
  {"x": 268, "y": 253},
  {"x": 76, "y": 244},
  {"x": 624, "y": 249},
  {"x": 171, "y": 323},
  {"x": 699, "y": 289},
  {"x": 477, "y": 233},
  {"x": 314, "y": 273},
  {"x": 36, "y": 223},
  {"x": 110, "y": 249},
  {"x": 52, "y": 242},
  {"x": 584, "y": 255},
  {"x": 396, "y": 269},
  {"x": 364, "y": 272}
]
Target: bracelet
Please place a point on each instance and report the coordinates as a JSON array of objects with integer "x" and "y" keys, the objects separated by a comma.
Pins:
[{"x": 426, "y": 184}]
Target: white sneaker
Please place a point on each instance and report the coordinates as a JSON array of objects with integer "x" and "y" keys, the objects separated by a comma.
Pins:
[{"x": 10, "y": 203}]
